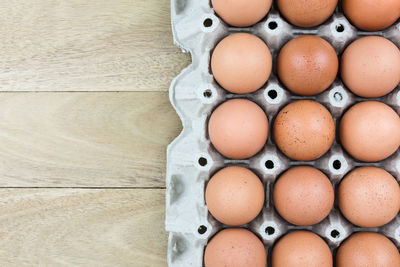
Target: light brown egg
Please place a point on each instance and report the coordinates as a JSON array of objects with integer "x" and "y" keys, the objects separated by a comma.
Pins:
[
  {"x": 303, "y": 195},
  {"x": 370, "y": 131},
  {"x": 301, "y": 249},
  {"x": 308, "y": 13},
  {"x": 238, "y": 128},
  {"x": 241, "y": 13},
  {"x": 370, "y": 66},
  {"x": 235, "y": 195},
  {"x": 304, "y": 130},
  {"x": 235, "y": 247},
  {"x": 241, "y": 63},
  {"x": 367, "y": 249},
  {"x": 371, "y": 15},
  {"x": 307, "y": 65},
  {"x": 369, "y": 197}
]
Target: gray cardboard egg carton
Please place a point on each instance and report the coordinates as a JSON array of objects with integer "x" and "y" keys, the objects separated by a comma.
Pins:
[{"x": 192, "y": 160}]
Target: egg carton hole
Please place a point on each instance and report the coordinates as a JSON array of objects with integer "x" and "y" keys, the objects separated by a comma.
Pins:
[
  {"x": 335, "y": 233},
  {"x": 202, "y": 229},
  {"x": 338, "y": 97},
  {"x": 272, "y": 25},
  {"x": 270, "y": 230},
  {"x": 207, "y": 22},
  {"x": 337, "y": 164},
  {"x": 340, "y": 28},
  {"x": 207, "y": 93},
  {"x": 272, "y": 94},
  {"x": 269, "y": 164},
  {"x": 202, "y": 161}
]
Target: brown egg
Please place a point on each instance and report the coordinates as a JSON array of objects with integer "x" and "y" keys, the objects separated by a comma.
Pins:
[
  {"x": 369, "y": 197},
  {"x": 241, "y": 13},
  {"x": 370, "y": 66},
  {"x": 364, "y": 249},
  {"x": 235, "y": 247},
  {"x": 308, "y": 13},
  {"x": 235, "y": 195},
  {"x": 370, "y": 131},
  {"x": 238, "y": 128},
  {"x": 303, "y": 195},
  {"x": 241, "y": 63},
  {"x": 301, "y": 249},
  {"x": 304, "y": 130},
  {"x": 307, "y": 65},
  {"x": 371, "y": 15}
]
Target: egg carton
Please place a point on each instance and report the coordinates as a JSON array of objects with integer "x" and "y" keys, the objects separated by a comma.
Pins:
[{"x": 192, "y": 160}]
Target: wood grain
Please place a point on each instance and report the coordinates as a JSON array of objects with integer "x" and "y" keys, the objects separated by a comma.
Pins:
[
  {"x": 70, "y": 227},
  {"x": 92, "y": 45},
  {"x": 74, "y": 136},
  {"x": 85, "y": 139}
]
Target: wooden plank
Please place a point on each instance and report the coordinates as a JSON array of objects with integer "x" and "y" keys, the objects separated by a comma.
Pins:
[
  {"x": 81, "y": 227},
  {"x": 92, "y": 45},
  {"x": 104, "y": 139}
]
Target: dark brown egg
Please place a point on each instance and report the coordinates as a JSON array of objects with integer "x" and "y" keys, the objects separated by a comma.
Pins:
[
  {"x": 307, "y": 65},
  {"x": 371, "y": 15},
  {"x": 308, "y": 13},
  {"x": 304, "y": 130}
]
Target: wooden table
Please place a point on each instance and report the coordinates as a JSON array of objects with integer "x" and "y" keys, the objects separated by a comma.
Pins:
[{"x": 84, "y": 124}]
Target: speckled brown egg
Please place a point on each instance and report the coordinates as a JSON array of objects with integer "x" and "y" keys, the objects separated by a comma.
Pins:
[
  {"x": 238, "y": 128},
  {"x": 369, "y": 197},
  {"x": 304, "y": 130},
  {"x": 301, "y": 249},
  {"x": 303, "y": 195},
  {"x": 370, "y": 131},
  {"x": 306, "y": 13},
  {"x": 364, "y": 249},
  {"x": 371, "y": 15},
  {"x": 234, "y": 195},
  {"x": 241, "y": 13},
  {"x": 241, "y": 63},
  {"x": 235, "y": 247},
  {"x": 307, "y": 65},
  {"x": 370, "y": 66}
]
